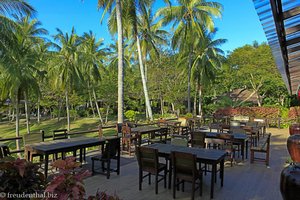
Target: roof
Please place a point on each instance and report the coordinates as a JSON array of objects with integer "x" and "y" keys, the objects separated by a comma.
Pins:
[{"x": 281, "y": 22}]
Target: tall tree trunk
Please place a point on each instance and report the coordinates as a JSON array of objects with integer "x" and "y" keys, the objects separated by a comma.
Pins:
[
  {"x": 91, "y": 104},
  {"x": 26, "y": 112},
  {"x": 38, "y": 109},
  {"x": 258, "y": 99},
  {"x": 68, "y": 111},
  {"x": 59, "y": 109},
  {"x": 200, "y": 100},
  {"x": 173, "y": 107},
  {"x": 107, "y": 112},
  {"x": 98, "y": 110},
  {"x": 195, "y": 104},
  {"x": 189, "y": 82},
  {"x": 13, "y": 115},
  {"x": 142, "y": 70},
  {"x": 161, "y": 105},
  {"x": 17, "y": 122},
  {"x": 120, "y": 63}
]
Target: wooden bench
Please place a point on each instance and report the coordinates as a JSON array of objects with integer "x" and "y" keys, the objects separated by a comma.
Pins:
[{"x": 262, "y": 147}]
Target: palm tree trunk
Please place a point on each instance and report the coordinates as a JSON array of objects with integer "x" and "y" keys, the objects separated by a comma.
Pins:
[
  {"x": 68, "y": 111},
  {"x": 91, "y": 104},
  {"x": 26, "y": 113},
  {"x": 17, "y": 122},
  {"x": 200, "y": 100},
  {"x": 195, "y": 104},
  {"x": 59, "y": 109},
  {"x": 142, "y": 70},
  {"x": 120, "y": 63},
  {"x": 13, "y": 115},
  {"x": 98, "y": 110},
  {"x": 38, "y": 109},
  {"x": 189, "y": 82},
  {"x": 107, "y": 112}
]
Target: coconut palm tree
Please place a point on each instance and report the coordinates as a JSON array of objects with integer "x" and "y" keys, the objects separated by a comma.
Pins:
[
  {"x": 208, "y": 59},
  {"x": 108, "y": 5},
  {"x": 93, "y": 57},
  {"x": 65, "y": 71},
  {"x": 17, "y": 62},
  {"x": 188, "y": 18}
]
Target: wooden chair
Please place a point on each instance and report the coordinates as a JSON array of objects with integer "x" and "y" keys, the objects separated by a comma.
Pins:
[
  {"x": 185, "y": 169},
  {"x": 198, "y": 139},
  {"x": 129, "y": 140},
  {"x": 110, "y": 151},
  {"x": 149, "y": 163},
  {"x": 179, "y": 141},
  {"x": 4, "y": 150},
  {"x": 30, "y": 139},
  {"x": 227, "y": 145},
  {"x": 216, "y": 126},
  {"x": 263, "y": 147},
  {"x": 60, "y": 134},
  {"x": 159, "y": 137}
]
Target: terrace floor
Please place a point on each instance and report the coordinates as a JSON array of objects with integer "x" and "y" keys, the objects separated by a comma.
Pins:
[{"x": 242, "y": 181}]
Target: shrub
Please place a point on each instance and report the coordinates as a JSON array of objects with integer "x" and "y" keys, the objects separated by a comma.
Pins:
[
  {"x": 257, "y": 112},
  {"x": 130, "y": 114},
  {"x": 19, "y": 175}
]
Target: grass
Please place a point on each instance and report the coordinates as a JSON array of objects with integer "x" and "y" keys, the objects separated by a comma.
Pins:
[{"x": 8, "y": 129}]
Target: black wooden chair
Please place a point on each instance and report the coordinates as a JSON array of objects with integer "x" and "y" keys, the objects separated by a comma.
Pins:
[
  {"x": 149, "y": 163},
  {"x": 185, "y": 169},
  {"x": 4, "y": 150},
  {"x": 110, "y": 151},
  {"x": 198, "y": 139}
]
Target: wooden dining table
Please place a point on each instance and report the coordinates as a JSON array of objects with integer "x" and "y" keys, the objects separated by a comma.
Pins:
[
  {"x": 207, "y": 156},
  {"x": 239, "y": 138},
  {"x": 145, "y": 130},
  {"x": 64, "y": 145}
]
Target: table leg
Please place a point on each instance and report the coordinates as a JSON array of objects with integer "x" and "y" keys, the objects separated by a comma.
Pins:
[
  {"x": 46, "y": 165},
  {"x": 212, "y": 182},
  {"x": 118, "y": 159},
  {"x": 222, "y": 172},
  {"x": 170, "y": 172},
  {"x": 247, "y": 149},
  {"x": 243, "y": 150}
]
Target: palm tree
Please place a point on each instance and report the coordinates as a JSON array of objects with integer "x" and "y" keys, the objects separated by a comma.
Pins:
[
  {"x": 208, "y": 59},
  {"x": 18, "y": 64},
  {"x": 93, "y": 57},
  {"x": 188, "y": 18},
  {"x": 66, "y": 72},
  {"x": 107, "y": 5}
]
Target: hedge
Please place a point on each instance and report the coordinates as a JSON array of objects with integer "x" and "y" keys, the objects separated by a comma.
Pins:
[{"x": 257, "y": 112}]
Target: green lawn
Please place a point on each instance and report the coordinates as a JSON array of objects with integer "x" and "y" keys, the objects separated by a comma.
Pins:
[{"x": 7, "y": 129}]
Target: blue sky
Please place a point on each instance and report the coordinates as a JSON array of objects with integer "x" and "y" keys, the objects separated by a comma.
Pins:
[{"x": 239, "y": 24}]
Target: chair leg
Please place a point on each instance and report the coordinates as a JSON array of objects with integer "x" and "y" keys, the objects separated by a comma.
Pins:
[
  {"x": 156, "y": 183},
  {"x": 165, "y": 178},
  {"x": 149, "y": 179},
  {"x": 193, "y": 190},
  {"x": 140, "y": 179},
  {"x": 108, "y": 169},
  {"x": 174, "y": 187},
  {"x": 93, "y": 165}
]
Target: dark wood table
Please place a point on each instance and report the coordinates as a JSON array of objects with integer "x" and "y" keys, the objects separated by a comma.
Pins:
[
  {"x": 206, "y": 156},
  {"x": 239, "y": 138},
  {"x": 65, "y": 145},
  {"x": 145, "y": 130}
]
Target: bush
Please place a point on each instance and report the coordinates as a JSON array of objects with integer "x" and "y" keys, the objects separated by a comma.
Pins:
[
  {"x": 130, "y": 114},
  {"x": 257, "y": 112},
  {"x": 19, "y": 175}
]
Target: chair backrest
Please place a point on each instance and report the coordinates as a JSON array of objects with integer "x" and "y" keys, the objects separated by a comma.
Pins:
[
  {"x": 60, "y": 134},
  {"x": 252, "y": 124},
  {"x": 216, "y": 126},
  {"x": 147, "y": 159},
  {"x": 162, "y": 123},
  {"x": 179, "y": 141},
  {"x": 33, "y": 137},
  {"x": 126, "y": 131},
  {"x": 111, "y": 149},
  {"x": 214, "y": 143},
  {"x": 198, "y": 139},
  {"x": 235, "y": 124},
  {"x": 237, "y": 130},
  {"x": 184, "y": 164}
]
